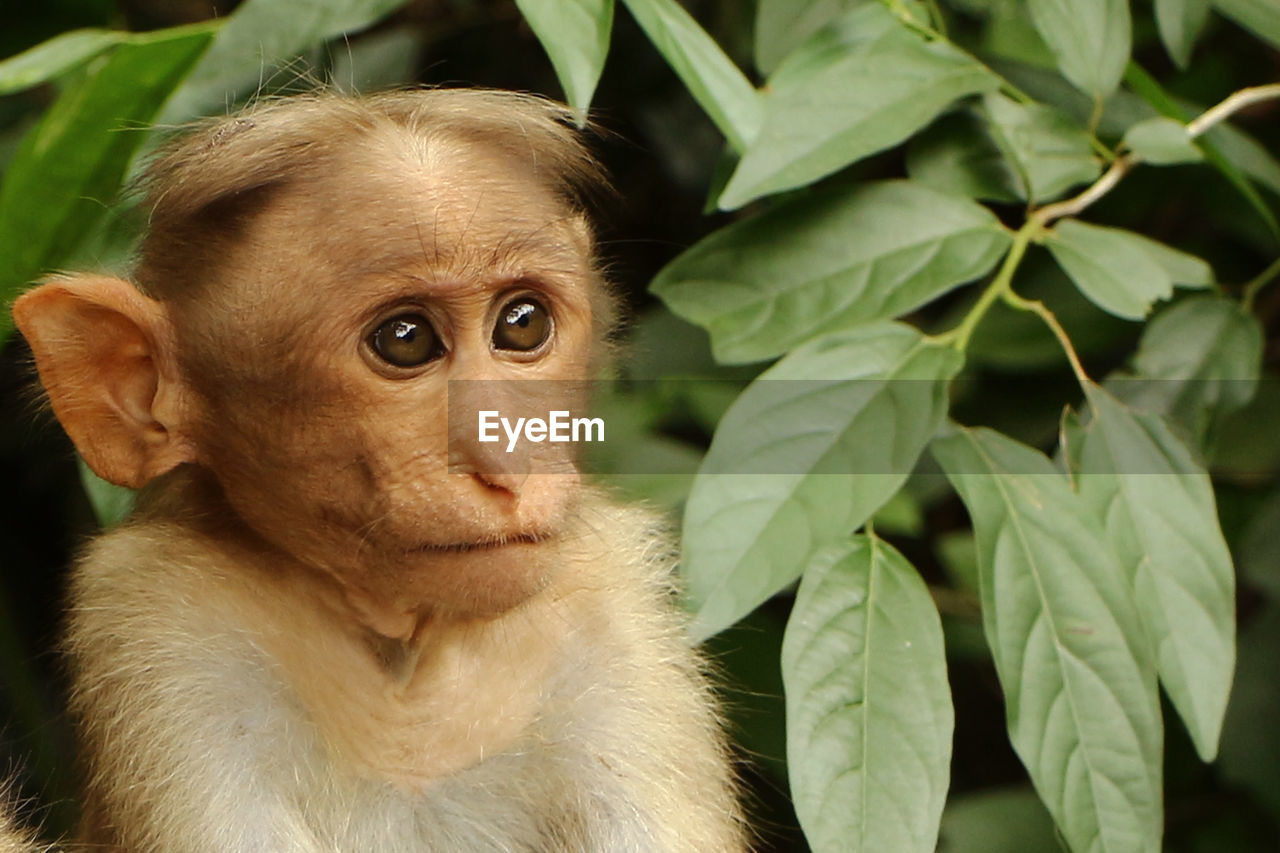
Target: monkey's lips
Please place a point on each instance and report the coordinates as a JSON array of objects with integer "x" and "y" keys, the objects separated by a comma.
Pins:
[
  {"x": 481, "y": 545},
  {"x": 485, "y": 576}
]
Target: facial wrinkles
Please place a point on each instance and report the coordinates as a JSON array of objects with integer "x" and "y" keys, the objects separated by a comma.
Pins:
[
  {"x": 471, "y": 214},
  {"x": 377, "y": 478}
]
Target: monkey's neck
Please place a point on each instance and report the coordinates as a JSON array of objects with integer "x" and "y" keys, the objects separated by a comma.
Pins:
[
  {"x": 398, "y": 657},
  {"x": 407, "y": 710},
  {"x": 414, "y": 710}
]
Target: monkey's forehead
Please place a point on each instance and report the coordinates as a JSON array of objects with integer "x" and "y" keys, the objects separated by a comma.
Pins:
[
  {"x": 279, "y": 141},
  {"x": 451, "y": 226},
  {"x": 442, "y": 206}
]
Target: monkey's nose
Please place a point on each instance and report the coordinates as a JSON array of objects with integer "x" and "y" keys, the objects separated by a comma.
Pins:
[{"x": 506, "y": 481}]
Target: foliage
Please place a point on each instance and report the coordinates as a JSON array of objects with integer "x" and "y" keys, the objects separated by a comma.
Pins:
[{"x": 941, "y": 276}]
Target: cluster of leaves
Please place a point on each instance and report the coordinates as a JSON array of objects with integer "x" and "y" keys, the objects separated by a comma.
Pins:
[
  {"x": 1100, "y": 573},
  {"x": 1098, "y": 576}
]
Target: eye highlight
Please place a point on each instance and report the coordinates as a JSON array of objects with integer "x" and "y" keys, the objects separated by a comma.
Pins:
[
  {"x": 406, "y": 340},
  {"x": 523, "y": 325}
]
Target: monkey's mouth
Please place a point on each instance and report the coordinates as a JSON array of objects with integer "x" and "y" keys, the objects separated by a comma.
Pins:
[{"x": 481, "y": 545}]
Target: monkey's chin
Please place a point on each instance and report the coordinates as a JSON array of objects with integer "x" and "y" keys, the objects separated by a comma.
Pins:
[{"x": 485, "y": 579}]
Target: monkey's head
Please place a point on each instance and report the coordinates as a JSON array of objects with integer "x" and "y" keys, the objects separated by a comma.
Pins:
[{"x": 316, "y": 272}]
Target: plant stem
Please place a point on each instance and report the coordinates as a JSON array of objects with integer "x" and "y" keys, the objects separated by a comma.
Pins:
[
  {"x": 1233, "y": 103},
  {"x": 1099, "y": 188},
  {"x": 935, "y": 15},
  {"x": 1095, "y": 115},
  {"x": 1258, "y": 282},
  {"x": 1038, "y": 308},
  {"x": 1122, "y": 165},
  {"x": 1000, "y": 285}
]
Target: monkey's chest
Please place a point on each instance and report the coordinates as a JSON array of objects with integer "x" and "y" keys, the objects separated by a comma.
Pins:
[
  {"x": 452, "y": 703},
  {"x": 547, "y": 791},
  {"x": 413, "y": 742}
]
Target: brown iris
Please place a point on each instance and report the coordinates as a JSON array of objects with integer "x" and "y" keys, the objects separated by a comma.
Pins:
[
  {"x": 523, "y": 325},
  {"x": 406, "y": 340}
]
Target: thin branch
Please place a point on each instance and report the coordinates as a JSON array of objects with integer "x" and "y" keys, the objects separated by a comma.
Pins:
[
  {"x": 1000, "y": 285},
  {"x": 935, "y": 14},
  {"x": 1123, "y": 165},
  {"x": 1073, "y": 206},
  {"x": 1038, "y": 308},
  {"x": 1233, "y": 103},
  {"x": 1255, "y": 284}
]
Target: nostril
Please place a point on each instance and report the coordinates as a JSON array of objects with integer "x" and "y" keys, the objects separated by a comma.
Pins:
[
  {"x": 506, "y": 483},
  {"x": 488, "y": 484}
]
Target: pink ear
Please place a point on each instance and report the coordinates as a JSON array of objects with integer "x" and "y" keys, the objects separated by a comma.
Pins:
[{"x": 95, "y": 341}]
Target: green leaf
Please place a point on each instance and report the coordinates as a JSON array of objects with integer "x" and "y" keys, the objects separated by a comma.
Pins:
[
  {"x": 869, "y": 716},
  {"x": 1151, "y": 91},
  {"x": 1121, "y": 110},
  {"x": 1162, "y": 141},
  {"x": 777, "y": 484},
  {"x": 1158, "y": 508},
  {"x": 1009, "y": 34},
  {"x": 1110, "y": 266},
  {"x": 71, "y": 164},
  {"x": 575, "y": 34},
  {"x": 861, "y": 85},
  {"x": 1090, "y": 39},
  {"x": 260, "y": 34},
  {"x": 719, "y": 87},
  {"x": 1261, "y": 16},
  {"x": 1204, "y": 339},
  {"x": 956, "y": 155},
  {"x": 1179, "y": 22},
  {"x": 1078, "y": 681},
  {"x": 827, "y": 261},
  {"x": 56, "y": 56},
  {"x": 1183, "y": 268},
  {"x": 1247, "y": 154},
  {"x": 1047, "y": 151},
  {"x": 783, "y": 25},
  {"x": 1010, "y": 820},
  {"x": 1197, "y": 361}
]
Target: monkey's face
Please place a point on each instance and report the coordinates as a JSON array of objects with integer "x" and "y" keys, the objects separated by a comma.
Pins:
[{"x": 321, "y": 379}]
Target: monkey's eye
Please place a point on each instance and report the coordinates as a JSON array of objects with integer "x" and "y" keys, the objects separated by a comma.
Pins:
[
  {"x": 523, "y": 324},
  {"x": 406, "y": 340}
]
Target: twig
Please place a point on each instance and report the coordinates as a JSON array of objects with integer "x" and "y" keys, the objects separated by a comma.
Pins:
[
  {"x": 1000, "y": 285},
  {"x": 1099, "y": 188},
  {"x": 1038, "y": 308},
  {"x": 1255, "y": 284},
  {"x": 1233, "y": 103}
]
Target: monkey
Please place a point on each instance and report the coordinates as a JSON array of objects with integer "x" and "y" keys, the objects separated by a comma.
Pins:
[
  {"x": 14, "y": 839},
  {"x": 336, "y": 621}
]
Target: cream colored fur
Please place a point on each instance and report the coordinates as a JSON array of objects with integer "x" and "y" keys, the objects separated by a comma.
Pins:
[{"x": 199, "y": 743}]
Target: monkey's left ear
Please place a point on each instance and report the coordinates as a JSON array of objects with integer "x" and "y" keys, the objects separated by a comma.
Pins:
[{"x": 97, "y": 343}]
